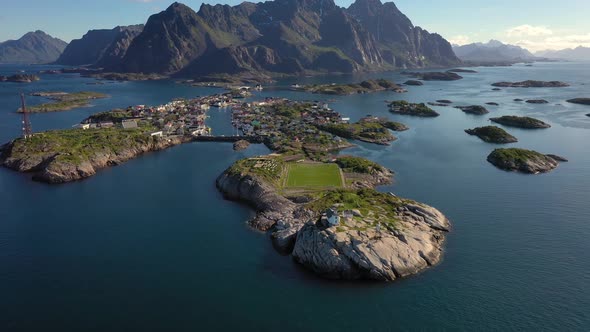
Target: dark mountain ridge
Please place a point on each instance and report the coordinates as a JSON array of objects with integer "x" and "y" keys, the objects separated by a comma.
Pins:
[
  {"x": 276, "y": 38},
  {"x": 34, "y": 47},
  {"x": 99, "y": 47}
]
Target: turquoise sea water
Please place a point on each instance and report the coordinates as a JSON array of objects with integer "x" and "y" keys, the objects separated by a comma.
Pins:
[{"x": 152, "y": 246}]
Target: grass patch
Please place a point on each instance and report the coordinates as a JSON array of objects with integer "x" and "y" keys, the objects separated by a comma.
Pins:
[
  {"x": 305, "y": 175},
  {"x": 63, "y": 101},
  {"x": 77, "y": 145}
]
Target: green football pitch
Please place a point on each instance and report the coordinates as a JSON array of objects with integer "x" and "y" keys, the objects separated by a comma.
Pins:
[{"x": 304, "y": 175}]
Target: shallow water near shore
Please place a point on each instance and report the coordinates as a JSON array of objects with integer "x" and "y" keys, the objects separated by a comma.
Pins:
[{"x": 151, "y": 244}]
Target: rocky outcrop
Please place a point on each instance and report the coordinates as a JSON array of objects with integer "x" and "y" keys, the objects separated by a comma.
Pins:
[
  {"x": 520, "y": 122},
  {"x": 416, "y": 244},
  {"x": 537, "y": 101},
  {"x": 523, "y": 161},
  {"x": 581, "y": 101},
  {"x": 531, "y": 84},
  {"x": 54, "y": 167},
  {"x": 33, "y": 47},
  {"x": 434, "y": 76},
  {"x": 413, "y": 244},
  {"x": 473, "y": 109},
  {"x": 241, "y": 145},
  {"x": 273, "y": 210},
  {"x": 492, "y": 134},
  {"x": 20, "y": 78},
  {"x": 413, "y": 83}
]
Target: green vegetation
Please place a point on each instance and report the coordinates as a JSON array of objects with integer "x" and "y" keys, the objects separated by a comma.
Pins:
[
  {"x": 63, "y": 101},
  {"x": 520, "y": 122},
  {"x": 269, "y": 168},
  {"x": 492, "y": 134},
  {"x": 358, "y": 165},
  {"x": 395, "y": 126},
  {"x": 376, "y": 207},
  {"x": 116, "y": 116},
  {"x": 405, "y": 108},
  {"x": 313, "y": 175},
  {"x": 77, "y": 145},
  {"x": 368, "y": 131},
  {"x": 348, "y": 89},
  {"x": 516, "y": 155}
]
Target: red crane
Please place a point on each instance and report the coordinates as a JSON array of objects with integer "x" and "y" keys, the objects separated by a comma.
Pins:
[{"x": 27, "y": 131}]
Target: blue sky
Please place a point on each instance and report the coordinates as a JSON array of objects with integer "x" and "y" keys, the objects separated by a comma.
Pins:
[{"x": 537, "y": 25}]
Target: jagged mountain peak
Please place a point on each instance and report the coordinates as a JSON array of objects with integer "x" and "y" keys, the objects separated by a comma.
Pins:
[{"x": 281, "y": 36}]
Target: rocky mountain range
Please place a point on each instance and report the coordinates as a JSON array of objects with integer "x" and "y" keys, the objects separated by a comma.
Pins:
[
  {"x": 578, "y": 53},
  {"x": 492, "y": 51},
  {"x": 270, "y": 38},
  {"x": 99, "y": 47},
  {"x": 32, "y": 48}
]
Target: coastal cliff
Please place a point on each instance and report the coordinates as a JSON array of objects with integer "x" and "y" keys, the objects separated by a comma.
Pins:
[
  {"x": 53, "y": 158},
  {"x": 386, "y": 238}
]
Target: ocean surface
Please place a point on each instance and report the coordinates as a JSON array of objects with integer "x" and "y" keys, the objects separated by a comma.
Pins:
[{"x": 152, "y": 246}]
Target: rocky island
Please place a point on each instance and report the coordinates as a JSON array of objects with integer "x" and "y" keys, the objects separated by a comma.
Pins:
[
  {"x": 523, "y": 161},
  {"x": 531, "y": 84},
  {"x": 369, "y": 129},
  {"x": 461, "y": 70},
  {"x": 367, "y": 86},
  {"x": 413, "y": 83},
  {"x": 413, "y": 109},
  {"x": 20, "y": 78},
  {"x": 537, "y": 101},
  {"x": 63, "y": 101},
  {"x": 329, "y": 218},
  {"x": 581, "y": 101},
  {"x": 492, "y": 134},
  {"x": 73, "y": 154},
  {"x": 434, "y": 76},
  {"x": 520, "y": 122},
  {"x": 473, "y": 109}
]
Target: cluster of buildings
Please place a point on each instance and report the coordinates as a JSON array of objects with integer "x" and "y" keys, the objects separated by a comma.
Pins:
[
  {"x": 178, "y": 117},
  {"x": 280, "y": 118}
]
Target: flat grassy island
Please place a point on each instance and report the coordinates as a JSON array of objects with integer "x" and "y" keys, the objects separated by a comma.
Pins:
[
  {"x": 492, "y": 134},
  {"x": 520, "y": 122},
  {"x": 63, "y": 101},
  {"x": 367, "y": 86},
  {"x": 405, "y": 108}
]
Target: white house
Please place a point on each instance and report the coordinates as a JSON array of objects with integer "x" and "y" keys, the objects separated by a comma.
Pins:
[
  {"x": 331, "y": 218},
  {"x": 157, "y": 134},
  {"x": 82, "y": 126}
]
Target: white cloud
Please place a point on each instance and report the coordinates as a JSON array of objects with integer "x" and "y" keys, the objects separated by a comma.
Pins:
[
  {"x": 528, "y": 30},
  {"x": 459, "y": 40},
  {"x": 554, "y": 42}
]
